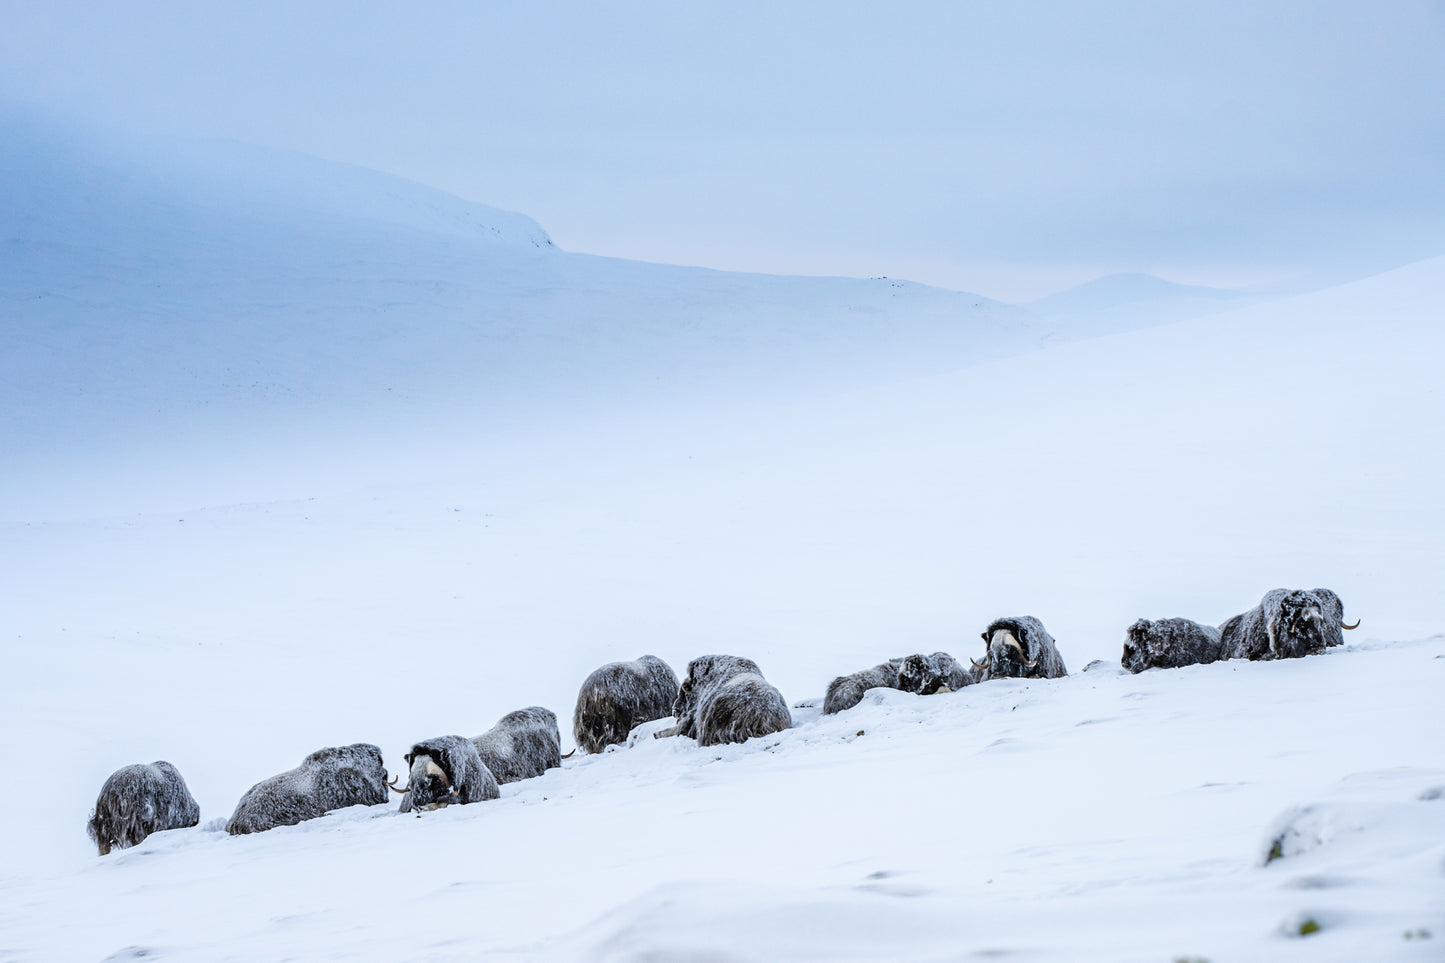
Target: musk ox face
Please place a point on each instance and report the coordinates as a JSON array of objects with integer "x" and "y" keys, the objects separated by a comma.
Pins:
[
  {"x": 429, "y": 784},
  {"x": 1136, "y": 653},
  {"x": 1131, "y": 660},
  {"x": 921, "y": 675},
  {"x": 1299, "y": 627},
  {"x": 1006, "y": 656},
  {"x": 927, "y": 674}
]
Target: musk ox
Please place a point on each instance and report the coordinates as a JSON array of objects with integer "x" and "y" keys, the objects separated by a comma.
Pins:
[
  {"x": 328, "y": 779},
  {"x": 1286, "y": 624},
  {"x": 726, "y": 699},
  {"x": 1170, "y": 644},
  {"x": 137, "y": 801},
  {"x": 446, "y": 770},
  {"x": 1019, "y": 648},
  {"x": 619, "y": 697},
  {"x": 939, "y": 672},
  {"x": 521, "y": 745},
  {"x": 919, "y": 674}
]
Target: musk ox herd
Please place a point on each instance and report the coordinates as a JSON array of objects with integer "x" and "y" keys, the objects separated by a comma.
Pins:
[{"x": 723, "y": 699}]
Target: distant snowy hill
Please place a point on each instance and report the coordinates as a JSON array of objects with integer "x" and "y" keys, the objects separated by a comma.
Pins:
[
  {"x": 1119, "y": 289},
  {"x": 130, "y": 198},
  {"x": 168, "y": 290},
  {"x": 1127, "y": 302}
]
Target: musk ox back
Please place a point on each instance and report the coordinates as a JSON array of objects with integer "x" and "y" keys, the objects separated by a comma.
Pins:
[
  {"x": 1286, "y": 624},
  {"x": 521, "y": 745},
  {"x": 619, "y": 697},
  {"x": 920, "y": 674},
  {"x": 846, "y": 691},
  {"x": 1169, "y": 644},
  {"x": 137, "y": 801},
  {"x": 726, "y": 699},
  {"x": 1019, "y": 648},
  {"x": 446, "y": 770},
  {"x": 328, "y": 779}
]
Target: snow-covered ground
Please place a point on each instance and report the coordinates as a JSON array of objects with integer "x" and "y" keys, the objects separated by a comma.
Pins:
[
  {"x": 228, "y": 544},
  {"x": 1103, "y": 816}
]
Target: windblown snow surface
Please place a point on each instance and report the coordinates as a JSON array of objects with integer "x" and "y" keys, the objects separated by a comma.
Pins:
[{"x": 229, "y": 544}]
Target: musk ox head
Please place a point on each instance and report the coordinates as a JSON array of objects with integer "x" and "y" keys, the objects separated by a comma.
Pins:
[
  {"x": 927, "y": 674},
  {"x": 1136, "y": 647},
  {"x": 446, "y": 770},
  {"x": 1298, "y": 626},
  {"x": 1019, "y": 647},
  {"x": 429, "y": 783},
  {"x": 1006, "y": 657}
]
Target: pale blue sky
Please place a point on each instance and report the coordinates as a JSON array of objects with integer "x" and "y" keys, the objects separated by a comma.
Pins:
[{"x": 1008, "y": 149}]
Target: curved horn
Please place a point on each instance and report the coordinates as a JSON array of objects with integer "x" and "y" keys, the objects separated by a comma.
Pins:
[
  {"x": 392, "y": 786},
  {"x": 570, "y": 754},
  {"x": 1346, "y": 625},
  {"x": 978, "y": 665}
]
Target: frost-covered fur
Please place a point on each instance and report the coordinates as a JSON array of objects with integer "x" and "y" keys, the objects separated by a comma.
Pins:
[
  {"x": 619, "y": 697},
  {"x": 927, "y": 674},
  {"x": 521, "y": 745},
  {"x": 328, "y": 779},
  {"x": 137, "y": 801},
  {"x": 445, "y": 770},
  {"x": 1013, "y": 643},
  {"x": 1286, "y": 624},
  {"x": 846, "y": 691},
  {"x": 726, "y": 699},
  {"x": 920, "y": 674},
  {"x": 1169, "y": 644}
]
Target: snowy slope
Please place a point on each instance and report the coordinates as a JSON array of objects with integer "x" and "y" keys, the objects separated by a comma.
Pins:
[
  {"x": 229, "y": 574},
  {"x": 428, "y": 584}
]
